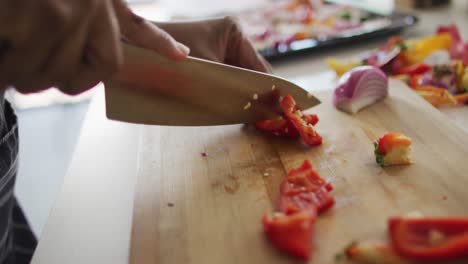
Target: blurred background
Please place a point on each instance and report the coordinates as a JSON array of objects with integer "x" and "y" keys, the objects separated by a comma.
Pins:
[{"x": 291, "y": 34}]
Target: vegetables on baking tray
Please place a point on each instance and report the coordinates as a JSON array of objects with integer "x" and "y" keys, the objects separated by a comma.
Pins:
[
  {"x": 292, "y": 124},
  {"x": 392, "y": 149},
  {"x": 303, "y": 195},
  {"x": 438, "y": 61},
  {"x": 359, "y": 88},
  {"x": 279, "y": 24}
]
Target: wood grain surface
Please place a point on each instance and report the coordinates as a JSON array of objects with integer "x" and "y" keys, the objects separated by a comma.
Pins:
[{"x": 194, "y": 209}]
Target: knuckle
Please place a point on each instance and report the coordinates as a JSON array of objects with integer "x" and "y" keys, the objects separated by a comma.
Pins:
[
  {"x": 59, "y": 13},
  {"x": 135, "y": 23},
  {"x": 112, "y": 65},
  {"x": 136, "y": 19},
  {"x": 232, "y": 23}
]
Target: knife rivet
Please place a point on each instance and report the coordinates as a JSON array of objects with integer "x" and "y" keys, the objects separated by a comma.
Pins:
[{"x": 255, "y": 96}]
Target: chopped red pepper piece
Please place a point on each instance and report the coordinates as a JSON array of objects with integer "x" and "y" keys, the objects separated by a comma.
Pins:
[
  {"x": 392, "y": 140},
  {"x": 428, "y": 239},
  {"x": 415, "y": 81},
  {"x": 303, "y": 192},
  {"x": 304, "y": 189},
  {"x": 293, "y": 124},
  {"x": 310, "y": 119},
  {"x": 283, "y": 127},
  {"x": 291, "y": 233},
  {"x": 414, "y": 69},
  {"x": 452, "y": 30},
  {"x": 319, "y": 199},
  {"x": 278, "y": 127},
  {"x": 306, "y": 131}
]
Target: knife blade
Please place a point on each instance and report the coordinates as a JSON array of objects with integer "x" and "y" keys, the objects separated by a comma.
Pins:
[{"x": 150, "y": 89}]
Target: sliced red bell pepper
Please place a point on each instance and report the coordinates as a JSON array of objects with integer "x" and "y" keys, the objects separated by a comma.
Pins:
[
  {"x": 452, "y": 30},
  {"x": 306, "y": 130},
  {"x": 304, "y": 189},
  {"x": 415, "y": 80},
  {"x": 392, "y": 140},
  {"x": 278, "y": 127},
  {"x": 291, "y": 233},
  {"x": 428, "y": 239},
  {"x": 419, "y": 68},
  {"x": 319, "y": 199},
  {"x": 310, "y": 119},
  {"x": 283, "y": 127},
  {"x": 293, "y": 124}
]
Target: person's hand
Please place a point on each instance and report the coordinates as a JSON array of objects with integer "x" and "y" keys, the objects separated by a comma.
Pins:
[
  {"x": 220, "y": 40},
  {"x": 71, "y": 44}
]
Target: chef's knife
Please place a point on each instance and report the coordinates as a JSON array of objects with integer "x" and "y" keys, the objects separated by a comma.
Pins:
[{"x": 151, "y": 89}]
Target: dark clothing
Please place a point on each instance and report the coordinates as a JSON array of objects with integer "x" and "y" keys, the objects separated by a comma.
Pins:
[{"x": 17, "y": 242}]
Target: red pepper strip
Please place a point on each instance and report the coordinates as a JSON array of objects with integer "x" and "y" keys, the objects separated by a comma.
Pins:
[
  {"x": 428, "y": 239},
  {"x": 283, "y": 127},
  {"x": 306, "y": 131},
  {"x": 278, "y": 127},
  {"x": 415, "y": 81},
  {"x": 291, "y": 233},
  {"x": 414, "y": 69},
  {"x": 304, "y": 189},
  {"x": 319, "y": 199},
  {"x": 311, "y": 119}
]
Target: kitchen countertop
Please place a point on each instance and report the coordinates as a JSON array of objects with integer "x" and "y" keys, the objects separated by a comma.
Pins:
[{"x": 92, "y": 217}]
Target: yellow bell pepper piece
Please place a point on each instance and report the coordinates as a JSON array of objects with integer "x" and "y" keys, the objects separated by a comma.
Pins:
[
  {"x": 419, "y": 50},
  {"x": 464, "y": 82},
  {"x": 341, "y": 67}
]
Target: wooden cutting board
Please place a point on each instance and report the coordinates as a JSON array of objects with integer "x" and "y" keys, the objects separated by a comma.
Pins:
[{"x": 195, "y": 209}]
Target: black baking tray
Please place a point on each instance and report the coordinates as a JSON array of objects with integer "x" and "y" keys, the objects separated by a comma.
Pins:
[{"x": 398, "y": 22}]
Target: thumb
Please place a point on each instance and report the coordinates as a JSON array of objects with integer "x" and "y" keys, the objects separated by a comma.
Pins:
[{"x": 141, "y": 32}]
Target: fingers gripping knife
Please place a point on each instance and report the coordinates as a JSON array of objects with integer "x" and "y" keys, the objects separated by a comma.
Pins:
[{"x": 151, "y": 89}]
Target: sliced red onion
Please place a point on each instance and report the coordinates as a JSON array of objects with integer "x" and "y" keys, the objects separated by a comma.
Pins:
[
  {"x": 446, "y": 81},
  {"x": 360, "y": 87},
  {"x": 427, "y": 79}
]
